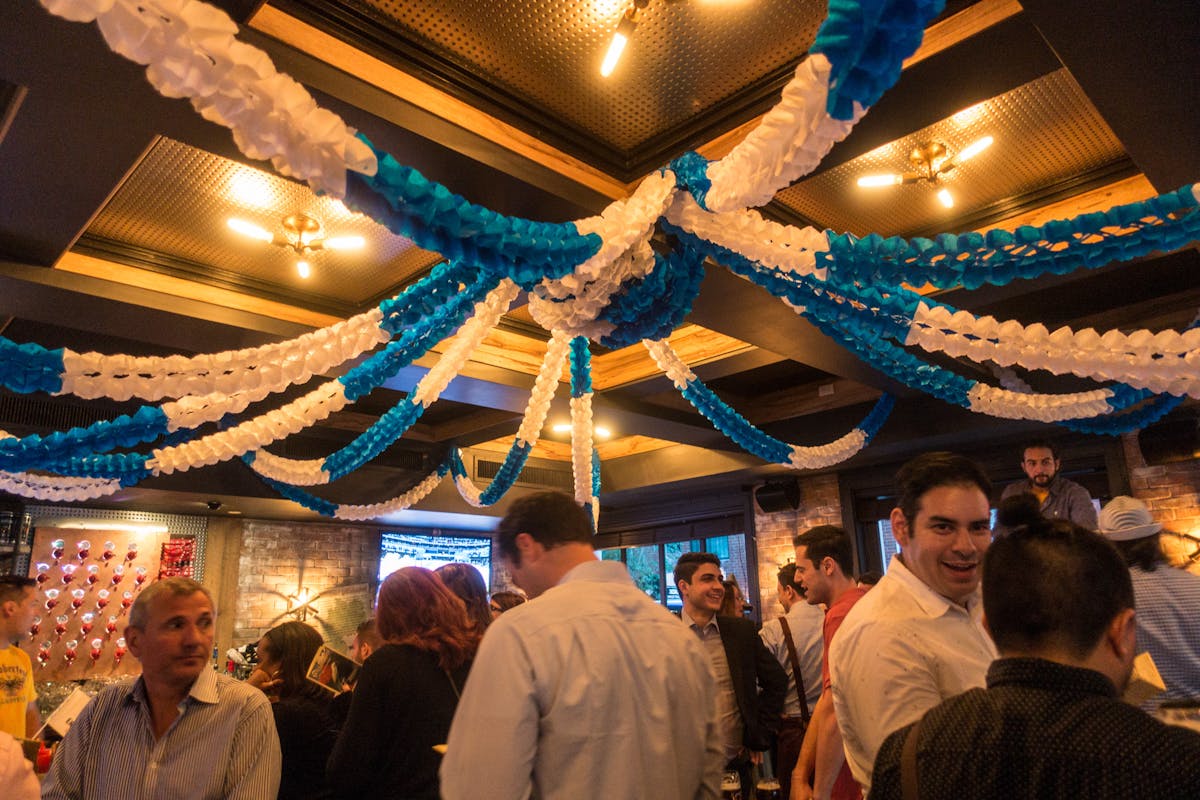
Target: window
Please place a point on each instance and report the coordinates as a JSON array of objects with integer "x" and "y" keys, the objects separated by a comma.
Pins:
[
  {"x": 887, "y": 542},
  {"x": 652, "y": 565}
]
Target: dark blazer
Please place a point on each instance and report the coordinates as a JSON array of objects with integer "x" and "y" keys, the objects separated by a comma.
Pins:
[{"x": 759, "y": 682}]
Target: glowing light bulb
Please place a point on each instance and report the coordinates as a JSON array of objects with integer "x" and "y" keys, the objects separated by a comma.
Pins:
[
  {"x": 945, "y": 198},
  {"x": 870, "y": 181},
  {"x": 303, "y": 269}
]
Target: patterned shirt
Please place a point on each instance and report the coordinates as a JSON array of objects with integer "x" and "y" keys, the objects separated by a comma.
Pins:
[
  {"x": 1168, "y": 628},
  {"x": 222, "y": 745},
  {"x": 1047, "y": 731}
]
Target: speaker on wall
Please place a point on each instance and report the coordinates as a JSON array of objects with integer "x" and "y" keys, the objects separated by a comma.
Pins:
[{"x": 775, "y": 496}]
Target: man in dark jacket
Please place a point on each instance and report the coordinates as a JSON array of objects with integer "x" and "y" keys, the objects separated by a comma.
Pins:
[{"x": 751, "y": 684}]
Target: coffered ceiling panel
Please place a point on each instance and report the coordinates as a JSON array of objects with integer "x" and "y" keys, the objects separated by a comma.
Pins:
[
  {"x": 540, "y": 60},
  {"x": 171, "y": 214},
  {"x": 1046, "y": 133}
]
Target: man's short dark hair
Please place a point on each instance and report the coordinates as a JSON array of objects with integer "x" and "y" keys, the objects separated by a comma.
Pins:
[
  {"x": 829, "y": 541},
  {"x": 787, "y": 577},
  {"x": 688, "y": 563},
  {"x": 1052, "y": 583},
  {"x": 551, "y": 518},
  {"x": 1039, "y": 444},
  {"x": 12, "y": 587},
  {"x": 932, "y": 470}
]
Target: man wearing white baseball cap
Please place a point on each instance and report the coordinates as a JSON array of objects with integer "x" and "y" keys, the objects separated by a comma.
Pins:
[{"x": 1167, "y": 599}]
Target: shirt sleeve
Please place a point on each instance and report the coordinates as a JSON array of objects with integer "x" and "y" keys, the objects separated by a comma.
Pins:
[
  {"x": 16, "y": 774},
  {"x": 255, "y": 761},
  {"x": 494, "y": 736}
]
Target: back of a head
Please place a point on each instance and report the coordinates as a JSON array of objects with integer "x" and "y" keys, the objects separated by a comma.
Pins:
[
  {"x": 1129, "y": 525},
  {"x": 930, "y": 471},
  {"x": 12, "y": 587},
  {"x": 416, "y": 608},
  {"x": 1051, "y": 585},
  {"x": 503, "y": 601},
  {"x": 367, "y": 633},
  {"x": 551, "y": 518},
  {"x": 293, "y": 645},
  {"x": 787, "y": 578},
  {"x": 467, "y": 584},
  {"x": 827, "y": 541},
  {"x": 1022, "y": 507}
]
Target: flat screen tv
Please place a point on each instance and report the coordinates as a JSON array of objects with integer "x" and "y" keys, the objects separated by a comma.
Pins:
[{"x": 410, "y": 549}]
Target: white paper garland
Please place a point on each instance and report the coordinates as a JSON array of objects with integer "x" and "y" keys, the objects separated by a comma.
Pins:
[
  {"x": 1163, "y": 363},
  {"x": 191, "y": 50},
  {"x": 265, "y": 370}
]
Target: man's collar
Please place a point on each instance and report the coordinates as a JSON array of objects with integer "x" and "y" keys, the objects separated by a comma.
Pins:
[
  {"x": 712, "y": 623},
  {"x": 930, "y": 601},
  {"x": 204, "y": 689}
]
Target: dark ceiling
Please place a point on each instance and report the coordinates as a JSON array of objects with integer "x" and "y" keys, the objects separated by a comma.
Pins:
[{"x": 113, "y": 204}]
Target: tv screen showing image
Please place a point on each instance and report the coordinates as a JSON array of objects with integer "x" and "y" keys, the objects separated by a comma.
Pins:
[{"x": 431, "y": 551}]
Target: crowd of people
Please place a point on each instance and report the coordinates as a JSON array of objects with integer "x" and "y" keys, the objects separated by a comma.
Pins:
[{"x": 978, "y": 666}]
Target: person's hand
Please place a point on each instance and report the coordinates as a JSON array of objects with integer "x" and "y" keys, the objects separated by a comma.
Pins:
[
  {"x": 267, "y": 682},
  {"x": 756, "y": 757},
  {"x": 801, "y": 790}
]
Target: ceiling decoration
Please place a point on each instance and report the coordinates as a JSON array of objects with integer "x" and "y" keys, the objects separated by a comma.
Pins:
[{"x": 600, "y": 279}]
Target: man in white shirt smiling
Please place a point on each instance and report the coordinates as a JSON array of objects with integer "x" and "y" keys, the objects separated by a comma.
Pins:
[
  {"x": 591, "y": 689},
  {"x": 917, "y": 638}
]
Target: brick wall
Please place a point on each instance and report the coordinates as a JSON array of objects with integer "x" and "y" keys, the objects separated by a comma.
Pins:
[
  {"x": 336, "y": 563},
  {"x": 820, "y": 504},
  {"x": 1172, "y": 492}
]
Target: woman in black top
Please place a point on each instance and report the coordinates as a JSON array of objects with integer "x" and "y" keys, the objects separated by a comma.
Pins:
[
  {"x": 301, "y": 708},
  {"x": 406, "y": 693}
]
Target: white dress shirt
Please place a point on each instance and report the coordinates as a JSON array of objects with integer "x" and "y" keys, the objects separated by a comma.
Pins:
[
  {"x": 806, "y": 623},
  {"x": 590, "y": 690},
  {"x": 902, "y": 649}
]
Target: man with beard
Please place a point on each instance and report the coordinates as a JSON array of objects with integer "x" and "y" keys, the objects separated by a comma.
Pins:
[
  {"x": 1059, "y": 498},
  {"x": 917, "y": 638}
]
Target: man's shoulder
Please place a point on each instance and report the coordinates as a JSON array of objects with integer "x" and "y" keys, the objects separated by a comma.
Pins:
[
  {"x": 234, "y": 692},
  {"x": 16, "y": 656},
  {"x": 1019, "y": 487}
]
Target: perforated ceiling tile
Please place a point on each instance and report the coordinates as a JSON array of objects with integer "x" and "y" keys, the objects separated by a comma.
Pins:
[
  {"x": 173, "y": 209},
  {"x": 1046, "y": 133},
  {"x": 684, "y": 59}
]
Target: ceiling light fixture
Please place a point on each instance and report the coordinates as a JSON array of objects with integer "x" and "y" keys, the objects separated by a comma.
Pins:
[
  {"x": 301, "y": 233},
  {"x": 930, "y": 161},
  {"x": 621, "y": 37}
]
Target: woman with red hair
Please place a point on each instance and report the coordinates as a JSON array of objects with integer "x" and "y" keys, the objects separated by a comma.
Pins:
[{"x": 406, "y": 693}]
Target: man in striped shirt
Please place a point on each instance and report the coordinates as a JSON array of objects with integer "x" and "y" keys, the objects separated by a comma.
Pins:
[{"x": 179, "y": 731}]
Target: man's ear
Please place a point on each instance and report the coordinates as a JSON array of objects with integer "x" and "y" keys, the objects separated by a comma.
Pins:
[
  {"x": 8, "y": 608},
  {"x": 133, "y": 638},
  {"x": 528, "y": 547},
  {"x": 1121, "y": 635},
  {"x": 900, "y": 530}
]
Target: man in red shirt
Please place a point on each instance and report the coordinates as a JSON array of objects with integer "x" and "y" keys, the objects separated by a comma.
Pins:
[{"x": 824, "y": 567}]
